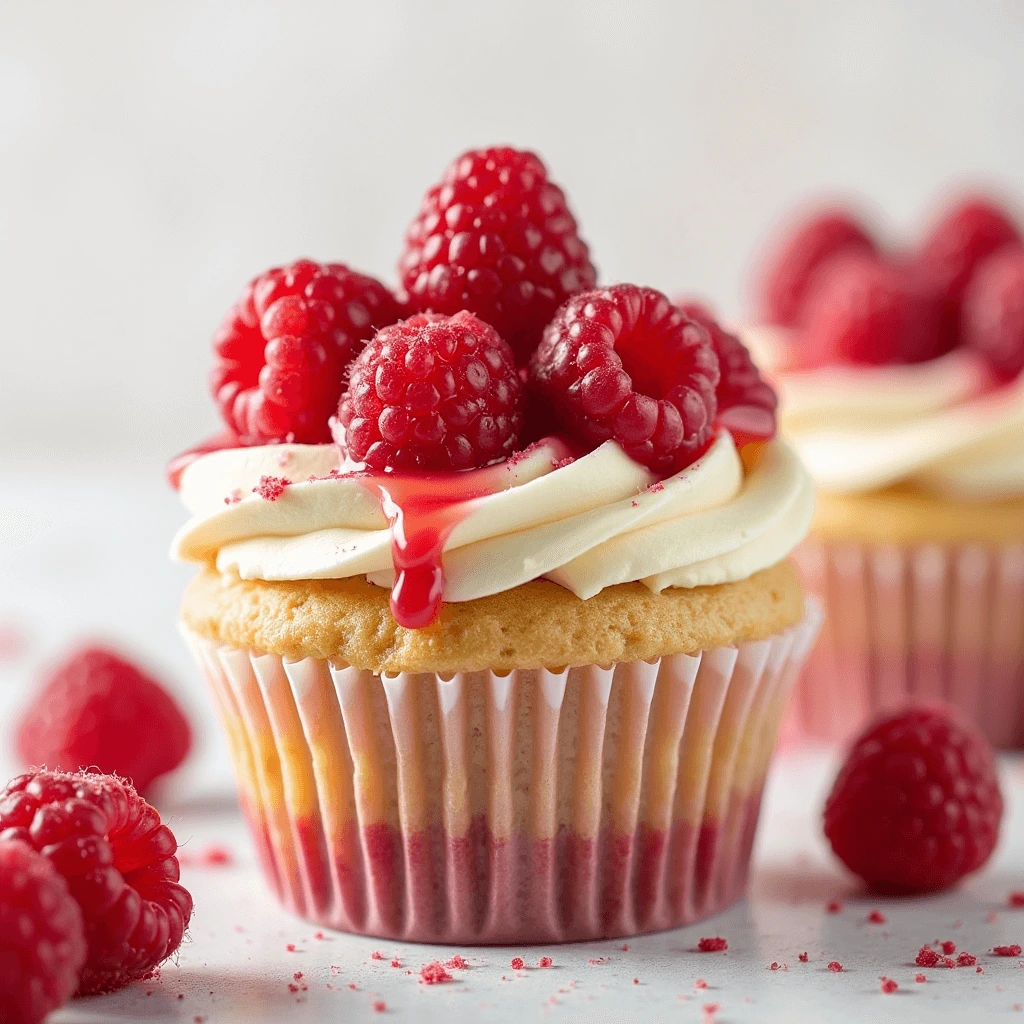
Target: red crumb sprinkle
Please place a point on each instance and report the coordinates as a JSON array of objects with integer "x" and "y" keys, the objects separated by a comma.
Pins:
[
  {"x": 947, "y": 961},
  {"x": 297, "y": 976},
  {"x": 656, "y": 488},
  {"x": 562, "y": 463},
  {"x": 636, "y": 981},
  {"x": 292, "y": 987},
  {"x": 181, "y": 995},
  {"x": 979, "y": 970},
  {"x": 546, "y": 961},
  {"x": 711, "y": 1008},
  {"x": 877, "y": 917},
  {"x": 888, "y": 986},
  {"x": 966, "y": 960},
  {"x": 926, "y": 957},
  {"x": 700, "y": 983},
  {"x": 352, "y": 985},
  {"x": 835, "y": 966},
  {"x": 318, "y": 935},
  {"x": 802, "y": 958},
  {"x": 948, "y": 947},
  {"x": 1013, "y": 950},
  {"x": 396, "y": 963},
  {"x": 625, "y": 947},
  {"x": 834, "y": 907},
  {"x": 290, "y": 947},
  {"x": 920, "y": 979},
  {"x": 457, "y": 963},
  {"x": 1015, "y": 899},
  {"x": 518, "y": 963},
  {"x": 434, "y": 974},
  {"x": 773, "y": 966},
  {"x": 335, "y": 970},
  {"x": 270, "y": 488},
  {"x": 595, "y": 961},
  {"x": 376, "y": 955},
  {"x": 380, "y": 1006},
  {"x": 714, "y": 944}
]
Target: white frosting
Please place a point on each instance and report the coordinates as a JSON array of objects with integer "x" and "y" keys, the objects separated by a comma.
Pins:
[
  {"x": 935, "y": 425},
  {"x": 590, "y": 524}
]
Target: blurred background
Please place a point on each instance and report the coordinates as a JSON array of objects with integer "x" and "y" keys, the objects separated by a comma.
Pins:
[{"x": 154, "y": 157}]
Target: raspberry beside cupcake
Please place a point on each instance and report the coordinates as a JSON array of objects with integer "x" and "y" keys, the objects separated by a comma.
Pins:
[{"x": 484, "y": 691}]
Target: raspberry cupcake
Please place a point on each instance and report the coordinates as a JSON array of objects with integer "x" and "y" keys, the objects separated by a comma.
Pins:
[
  {"x": 505, "y": 661},
  {"x": 901, "y": 387}
]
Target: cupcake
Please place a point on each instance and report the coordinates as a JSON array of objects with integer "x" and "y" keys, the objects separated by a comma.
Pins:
[
  {"x": 502, "y": 633},
  {"x": 901, "y": 389}
]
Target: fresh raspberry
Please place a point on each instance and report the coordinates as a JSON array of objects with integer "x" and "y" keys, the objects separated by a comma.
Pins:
[
  {"x": 864, "y": 310},
  {"x": 624, "y": 363},
  {"x": 119, "y": 863},
  {"x": 42, "y": 938},
  {"x": 495, "y": 236},
  {"x": 968, "y": 232},
  {"x": 916, "y": 806},
  {"x": 283, "y": 348},
  {"x": 433, "y": 392},
  {"x": 96, "y": 711},
  {"x": 993, "y": 311},
  {"x": 787, "y": 276},
  {"x": 746, "y": 401}
]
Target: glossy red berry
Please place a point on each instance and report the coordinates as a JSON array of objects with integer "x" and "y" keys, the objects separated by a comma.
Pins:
[
  {"x": 284, "y": 348},
  {"x": 794, "y": 261},
  {"x": 623, "y": 363},
  {"x": 495, "y": 236},
  {"x": 747, "y": 403},
  {"x": 118, "y": 860},
  {"x": 433, "y": 392},
  {"x": 97, "y": 711},
  {"x": 993, "y": 312},
  {"x": 42, "y": 936},
  {"x": 917, "y": 805}
]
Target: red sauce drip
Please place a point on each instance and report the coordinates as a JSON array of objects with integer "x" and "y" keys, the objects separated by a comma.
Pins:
[
  {"x": 423, "y": 509},
  {"x": 227, "y": 438}
]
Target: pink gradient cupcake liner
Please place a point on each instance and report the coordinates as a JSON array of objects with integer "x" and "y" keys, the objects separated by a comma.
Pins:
[
  {"x": 536, "y": 806},
  {"x": 908, "y": 624}
]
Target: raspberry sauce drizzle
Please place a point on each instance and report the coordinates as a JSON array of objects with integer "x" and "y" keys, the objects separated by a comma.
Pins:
[{"x": 423, "y": 509}]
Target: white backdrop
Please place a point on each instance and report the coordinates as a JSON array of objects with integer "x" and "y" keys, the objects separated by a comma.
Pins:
[{"x": 155, "y": 155}]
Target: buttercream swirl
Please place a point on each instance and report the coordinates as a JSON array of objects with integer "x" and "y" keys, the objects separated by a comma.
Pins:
[
  {"x": 586, "y": 524},
  {"x": 939, "y": 426}
]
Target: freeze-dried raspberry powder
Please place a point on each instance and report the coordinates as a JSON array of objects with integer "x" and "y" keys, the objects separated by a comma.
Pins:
[
  {"x": 270, "y": 488},
  {"x": 434, "y": 974},
  {"x": 457, "y": 963},
  {"x": 966, "y": 960},
  {"x": 888, "y": 986},
  {"x": 376, "y": 955},
  {"x": 545, "y": 961},
  {"x": 835, "y": 966},
  {"x": 802, "y": 958},
  {"x": 713, "y": 944},
  {"x": 700, "y": 983},
  {"x": 773, "y": 966},
  {"x": 1013, "y": 950},
  {"x": 920, "y": 978},
  {"x": 877, "y": 917}
]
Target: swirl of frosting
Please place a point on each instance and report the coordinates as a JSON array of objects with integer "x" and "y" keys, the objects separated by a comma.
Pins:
[
  {"x": 937, "y": 425},
  {"x": 586, "y": 524}
]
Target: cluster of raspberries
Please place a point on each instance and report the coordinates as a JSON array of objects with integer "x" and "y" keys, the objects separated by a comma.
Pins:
[
  {"x": 497, "y": 336},
  {"x": 852, "y": 300}
]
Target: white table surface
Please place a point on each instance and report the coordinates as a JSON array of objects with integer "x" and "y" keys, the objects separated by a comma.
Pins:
[{"x": 82, "y": 553}]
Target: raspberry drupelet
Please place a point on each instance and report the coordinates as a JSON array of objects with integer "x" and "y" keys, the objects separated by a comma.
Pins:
[
  {"x": 283, "y": 349},
  {"x": 623, "y": 363},
  {"x": 917, "y": 805},
  {"x": 118, "y": 860},
  {"x": 786, "y": 279},
  {"x": 42, "y": 936},
  {"x": 495, "y": 236},
  {"x": 433, "y": 392},
  {"x": 96, "y": 710}
]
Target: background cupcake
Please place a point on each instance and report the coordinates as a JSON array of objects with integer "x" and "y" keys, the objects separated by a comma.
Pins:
[
  {"x": 901, "y": 388},
  {"x": 480, "y": 690}
]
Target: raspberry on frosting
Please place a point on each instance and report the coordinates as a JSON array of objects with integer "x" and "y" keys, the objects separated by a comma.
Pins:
[
  {"x": 993, "y": 311},
  {"x": 433, "y": 392},
  {"x": 42, "y": 937},
  {"x": 917, "y": 805},
  {"x": 95, "y": 710},
  {"x": 118, "y": 860},
  {"x": 283, "y": 349},
  {"x": 789, "y": 272},
  {"x": 495, "y": 236},
  {"x": 623, "y": 363}
]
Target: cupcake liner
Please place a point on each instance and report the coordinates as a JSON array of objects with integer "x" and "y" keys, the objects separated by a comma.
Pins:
[
  {"x": 537, "y": 806},
  {"x": 911, "y": 624}
]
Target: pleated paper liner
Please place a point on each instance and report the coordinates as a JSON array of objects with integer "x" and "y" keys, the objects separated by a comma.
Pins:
[
  {"x": 530, "y": 807},
  {"x": 912, "y": 624}
]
